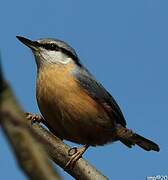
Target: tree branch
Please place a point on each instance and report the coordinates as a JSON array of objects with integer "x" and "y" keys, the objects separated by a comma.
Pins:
[{"x": 30, "y": 154}]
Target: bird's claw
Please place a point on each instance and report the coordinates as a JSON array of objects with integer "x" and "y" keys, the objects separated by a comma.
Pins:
[
  {"x": 33, "y": 117},
  {"x": 74, "y": 158},
  {"x": 76, "y": 154},
  {"x": 72, "y": 151}
]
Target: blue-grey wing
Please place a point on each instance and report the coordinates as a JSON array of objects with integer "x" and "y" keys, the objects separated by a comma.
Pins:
[{"x": 100, "y": 94}]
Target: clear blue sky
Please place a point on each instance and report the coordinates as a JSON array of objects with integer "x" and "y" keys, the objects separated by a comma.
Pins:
[{"x": 124, "y": 44}]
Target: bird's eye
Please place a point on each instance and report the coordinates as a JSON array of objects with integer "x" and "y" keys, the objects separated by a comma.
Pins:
[{"x": 53, "y": 47}]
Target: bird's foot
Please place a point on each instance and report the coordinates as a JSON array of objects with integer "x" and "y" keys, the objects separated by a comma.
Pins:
[
  {"x": 76, "y": 154},
  {"x": 34, "y": 117}
]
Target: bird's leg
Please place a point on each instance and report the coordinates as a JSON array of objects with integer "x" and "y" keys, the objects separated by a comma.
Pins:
[
  {"x": 77, "y": 154},
  {"x": 34, "y": 117}
]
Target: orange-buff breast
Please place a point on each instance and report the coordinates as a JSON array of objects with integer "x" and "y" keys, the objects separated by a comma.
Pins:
[{"x": 68, "y": 109}]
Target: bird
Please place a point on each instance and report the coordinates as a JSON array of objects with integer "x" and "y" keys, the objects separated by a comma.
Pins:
[{"x": 74, "y": 104}]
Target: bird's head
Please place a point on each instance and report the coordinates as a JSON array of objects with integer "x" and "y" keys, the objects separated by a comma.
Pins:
[{"x": 51, "y": 51}]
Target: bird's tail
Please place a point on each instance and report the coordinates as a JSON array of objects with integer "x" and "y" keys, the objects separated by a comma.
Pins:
[{"x": 129, "y": 138}]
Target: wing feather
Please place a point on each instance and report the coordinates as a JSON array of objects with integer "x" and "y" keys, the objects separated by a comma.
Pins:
[{"x": 99, "y": 94}]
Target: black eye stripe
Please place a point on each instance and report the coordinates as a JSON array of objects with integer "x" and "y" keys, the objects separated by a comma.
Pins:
[{"x": 50, "y": 46}]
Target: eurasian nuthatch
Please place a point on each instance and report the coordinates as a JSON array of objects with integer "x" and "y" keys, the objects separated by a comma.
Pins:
[{"x": 76, "y": 106}]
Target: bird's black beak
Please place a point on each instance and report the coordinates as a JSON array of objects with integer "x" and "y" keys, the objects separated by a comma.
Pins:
[{"x": 31, "y": 44}]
